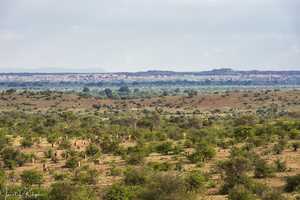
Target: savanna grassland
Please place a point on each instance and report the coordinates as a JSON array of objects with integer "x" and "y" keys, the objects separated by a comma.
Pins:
[{"x": 237, "y": 145}]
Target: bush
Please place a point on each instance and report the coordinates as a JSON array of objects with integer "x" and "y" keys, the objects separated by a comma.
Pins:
[
  {"x": 234, "y": 172},
  {"x": 65, "y": 144},
  {"x": 239, "y": 192},
  {"x": 72, "y": 162},
  {"x": 262, "y": 169},
  {"x": 280, "y": 146},
  {"x": 280, "y": 166},
  {"x": 86, "y": 176},
  {"x": 12, "y": 157},
  {"x": 136, "y": 157},
  {"x": 292, "y": 183},
  {"x": 67, "y": 191},
  {"x": 273, "y": 195},
  {"x": 165, "y": 187},
  {"x": 27, "y": 142},
  {"x": 164, "y": 148},
  {"x": 31, "y": 177},
  {"x": 109, "y": 146},
  {"x": 195, "y": 181},
  {"x": 2, "y": 178},
  {"x": 118, "y": 192},
  {"x": 158, "y": 166},
  {"x": 92, "y": 150},
  {"x": 134, "y": 177}
]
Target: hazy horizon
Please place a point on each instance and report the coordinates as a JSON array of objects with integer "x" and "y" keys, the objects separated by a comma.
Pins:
[{"x": 140, "y": 35}]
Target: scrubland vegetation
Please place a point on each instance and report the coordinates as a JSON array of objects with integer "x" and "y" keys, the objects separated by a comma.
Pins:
[{"x": 224, "y": 145}]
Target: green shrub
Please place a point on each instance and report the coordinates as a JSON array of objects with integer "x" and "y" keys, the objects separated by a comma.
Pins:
[
  {"x": 26, "y": 142},
  {"x": 65, "y": 144},
  {"x": 92, "y": 150},
  {"x": 234, "y": 172},
  {"x": 262, "y": 169},
  {"x": 115, "y": 171},
  {"x": 49, "y": 153},
  {"x": 119, "y": 192},
  {"x": 273, "y": 195},
  {"x": 164, "y": 148},
  {"x": 60, "y": 176},
  {"x": 13, "y": 158},
  {"x": 2, "y": 178},
  {"x": 280, "y": 166},
  {"x": 134, "y": 176},
  {"x": 195, "y": 181},
  {"x": 157, "y": 166},
  {"x": 67, "y": 191},
  {"x": 72, "y": 162},
  {"x": 31, "y": 177},
  {"x": 239, "y": 192},
  {"x": 292, "y": 183},
  {"x": 165, "y": 186},
  {"x": 86, "y": 176}
]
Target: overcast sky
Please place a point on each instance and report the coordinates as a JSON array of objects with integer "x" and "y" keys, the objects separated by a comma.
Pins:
[{"x": 133, "y": 35}]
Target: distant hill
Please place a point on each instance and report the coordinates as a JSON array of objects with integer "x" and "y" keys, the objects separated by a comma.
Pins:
[{"x": 214, "y": 72}]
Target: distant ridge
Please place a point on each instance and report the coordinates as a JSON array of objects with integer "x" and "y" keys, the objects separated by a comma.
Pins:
[{"x": 213, "y": 72}]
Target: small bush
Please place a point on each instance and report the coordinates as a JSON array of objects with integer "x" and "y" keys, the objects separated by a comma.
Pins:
[
  {"x": 262, "y": 169},
  {"x": 292, "y": 183},
  {"x": 195, "y": 181},
  {"x": 164, "y": 148},
  {"x": 92, "y": 150},
  {"x": 31, "y": 177},
  {"x": 65, "y": 190},
  {"x": 118, "y": 192},
  {"x": 280, "y": 166},
  {"x": 26, "y": 142},
  {"x": 134, "y": 177},
  {"x": 72, "y": 163},
  {"x": 86, "y": 176},
  {"x": 239, "y": 192}
]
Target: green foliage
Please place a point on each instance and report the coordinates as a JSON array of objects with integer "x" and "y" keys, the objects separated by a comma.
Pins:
[
  {"x": 262, "y": 169},
  {"x": 280, "y": 166},
  {"x": 86, "y": 176},
  {"x": 67, "y": 191},
  {"x": 109, "y": 145},
  {"x": 92, "y": 150},
  {"x": 195, "y": 181},
  {"x": 165, "y": 187},
  {"x": 235, "y": 172},
  {"x": 134, "y": 176},
  {"x": 31, "y": 177},
  {"x": 119, "y": 192},
  {"x": 72, "y": 162},
  {"x": 164, "y": 147},
  {"x": 3, "y": 178},
  {"x": 292, "y": 183},
  {"x": 203, "y": 152},
  {"x": 239, "y": 192},
  {"x": 26, "y": 142},
  {"x": 65, "y": 144},
  {"x": 13, "y": 158}
]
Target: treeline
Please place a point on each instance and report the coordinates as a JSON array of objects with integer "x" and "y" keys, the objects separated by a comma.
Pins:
[{"x": 42, "y": 85}]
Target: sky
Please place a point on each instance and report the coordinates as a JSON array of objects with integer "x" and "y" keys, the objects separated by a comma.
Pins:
[{"x": 138, "y": 35}]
